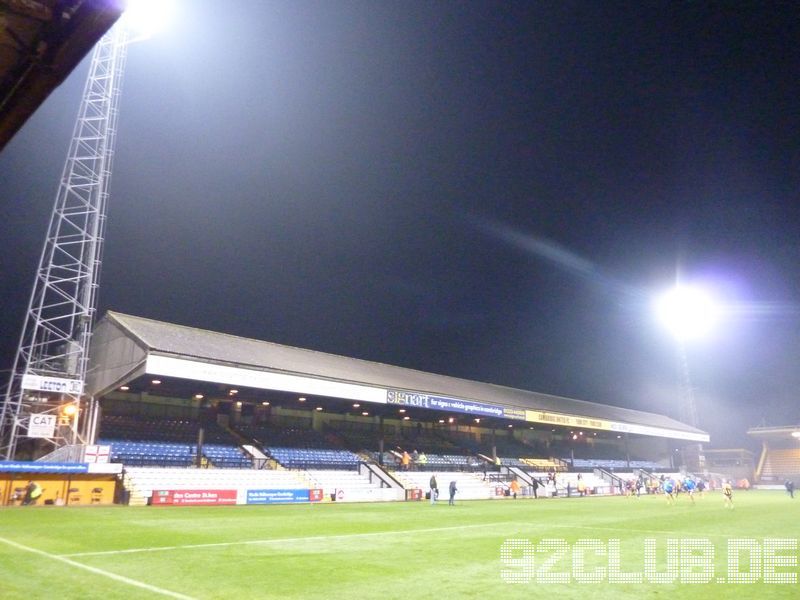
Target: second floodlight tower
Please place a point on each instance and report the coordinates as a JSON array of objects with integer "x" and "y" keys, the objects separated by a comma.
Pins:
[{"x": 689, "y": 313}]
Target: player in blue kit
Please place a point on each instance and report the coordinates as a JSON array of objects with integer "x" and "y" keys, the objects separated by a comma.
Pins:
[
  {"x": 689, "y": 487},
  {"x": 669, "y": 489}
]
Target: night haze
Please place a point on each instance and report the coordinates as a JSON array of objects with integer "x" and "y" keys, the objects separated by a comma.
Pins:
[{"x": 493, "y": 191}]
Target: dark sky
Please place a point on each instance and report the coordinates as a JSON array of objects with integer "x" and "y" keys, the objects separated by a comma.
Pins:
[{"x": 490, "y": 190}]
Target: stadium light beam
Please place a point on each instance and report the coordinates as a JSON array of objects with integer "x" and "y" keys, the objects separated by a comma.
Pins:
[{"x": 687, "y": 312}]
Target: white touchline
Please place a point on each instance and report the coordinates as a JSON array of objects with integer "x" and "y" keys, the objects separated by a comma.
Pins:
[
  {"x": 693, "y": 534},
  {"x": 120, "y": 578},
  {"x": 315, "y": 538},
  {"x": 382, "y": 533}
]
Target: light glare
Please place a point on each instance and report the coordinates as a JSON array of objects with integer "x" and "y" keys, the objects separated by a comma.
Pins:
[
  {"x": 687, "y": 312},
  {"x": 146, "y": 18}
]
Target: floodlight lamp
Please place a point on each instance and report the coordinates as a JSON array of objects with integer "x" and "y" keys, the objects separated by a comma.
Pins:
[
  {"x": 796, "y": 434},
  {"x": 687, "y": 312},
  {"x": 146, "y": 18},
  {"x": 69, "y": 410}
]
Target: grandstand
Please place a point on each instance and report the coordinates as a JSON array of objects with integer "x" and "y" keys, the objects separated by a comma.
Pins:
[
  {"x": 186, "y": 410},
  {"x": 781, "y": 463},
  {"x": 151, "y": 449},
  {"x": 780, "y": 454}
]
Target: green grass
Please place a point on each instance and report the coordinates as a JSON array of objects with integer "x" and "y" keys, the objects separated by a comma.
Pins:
[{"x": 383, "y": 550}]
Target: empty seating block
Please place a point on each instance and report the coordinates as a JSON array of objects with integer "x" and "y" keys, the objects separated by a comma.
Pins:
[
  {"x": 781, "y": 463},
  {"x": 303, "y": 458},
  {"x": 142, "y": 454},
  {"x": 226, "y": 457},
  {"x": 590, "y": 463}
]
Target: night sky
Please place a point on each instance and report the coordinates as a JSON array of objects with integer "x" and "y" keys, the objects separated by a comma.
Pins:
[{"x": 489, "y": 190}]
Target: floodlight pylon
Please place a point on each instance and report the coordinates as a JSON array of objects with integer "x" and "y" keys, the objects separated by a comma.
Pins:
[
  {"x": 51, "y": 362},
  {"x": 693, "y": 454}
]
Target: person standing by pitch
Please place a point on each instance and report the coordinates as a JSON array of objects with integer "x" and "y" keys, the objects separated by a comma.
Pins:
[{"x": 453, "y": 491}]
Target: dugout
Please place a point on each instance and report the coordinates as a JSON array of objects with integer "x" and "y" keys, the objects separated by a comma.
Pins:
[{"x": 58, "y": 488}]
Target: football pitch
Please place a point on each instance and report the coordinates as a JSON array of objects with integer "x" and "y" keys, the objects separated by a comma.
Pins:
[{"x": 612, "y": 547}]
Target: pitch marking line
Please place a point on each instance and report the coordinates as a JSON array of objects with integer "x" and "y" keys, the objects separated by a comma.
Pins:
[
  {"x": 373, "y": 534},
  {"x": 315, "y": 538},
  {"x": 694, "y": 534},
  {"x": 96, "y": 571}
]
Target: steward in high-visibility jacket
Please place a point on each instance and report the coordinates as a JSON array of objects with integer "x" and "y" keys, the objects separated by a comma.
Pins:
[{"x": 32, "y": 492}]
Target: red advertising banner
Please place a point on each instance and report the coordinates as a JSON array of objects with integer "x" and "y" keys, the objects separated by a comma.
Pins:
[
  {"x": 194, "y": 497},
  {"x": 315, "y": 495},
  {"x": 414, "y": 494}
]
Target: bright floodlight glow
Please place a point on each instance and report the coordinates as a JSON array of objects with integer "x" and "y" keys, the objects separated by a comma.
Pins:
[
  {"x": 146, "y": 18},
  {"x": 796, "y": 434},
  {"x": 687, "y": 312}
]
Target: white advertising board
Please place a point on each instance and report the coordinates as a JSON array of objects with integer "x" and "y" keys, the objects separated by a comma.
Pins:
[{"x": 41, "y": 426}]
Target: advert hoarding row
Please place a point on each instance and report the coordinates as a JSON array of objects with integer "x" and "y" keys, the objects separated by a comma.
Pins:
[
  {"x": 233, "y": 496},
  {"x": 482, "y": 409}
]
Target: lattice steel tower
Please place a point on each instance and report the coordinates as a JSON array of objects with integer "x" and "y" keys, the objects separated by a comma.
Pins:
[{"x": 52, "y": 357}]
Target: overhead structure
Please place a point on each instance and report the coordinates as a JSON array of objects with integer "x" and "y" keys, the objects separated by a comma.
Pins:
[
  {"x": 41, "y": 42},
  {"x": 45, "y": 396},
  {"x": 144, "y": 357}
]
